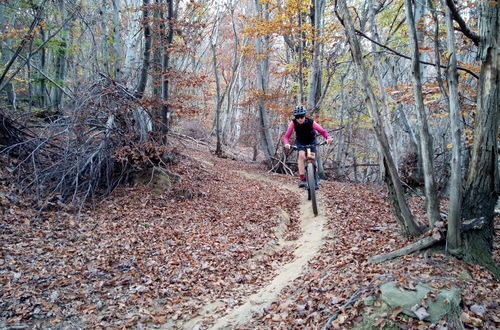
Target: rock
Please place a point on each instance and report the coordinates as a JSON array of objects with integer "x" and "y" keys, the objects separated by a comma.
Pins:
[
  {"x": 445, "y": 301},
  {"x": 420, "y": 312},
  {"x": 478, "y": 309}
]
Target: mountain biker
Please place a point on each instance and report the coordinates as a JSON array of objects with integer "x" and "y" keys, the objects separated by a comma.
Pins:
[{"x": 306, "y": 130}]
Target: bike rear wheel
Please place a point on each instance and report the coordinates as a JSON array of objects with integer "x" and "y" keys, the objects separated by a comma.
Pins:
[{"x": 311, "y": 183}]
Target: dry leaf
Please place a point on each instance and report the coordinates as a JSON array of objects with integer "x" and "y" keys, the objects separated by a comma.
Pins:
[{"x": 396, "y": 311}]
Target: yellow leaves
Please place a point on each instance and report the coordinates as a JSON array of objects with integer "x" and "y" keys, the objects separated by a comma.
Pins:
[
  {"x": 440, "y": 115},
  {"x": 13, "y": 33},
  {"x": 471, "y": 67}
]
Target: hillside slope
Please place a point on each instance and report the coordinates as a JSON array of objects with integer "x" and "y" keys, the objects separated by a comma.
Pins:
[{"x": 229, "y": 246}]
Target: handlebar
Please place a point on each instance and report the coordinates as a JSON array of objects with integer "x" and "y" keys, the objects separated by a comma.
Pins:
[{"x": 294, "y": 147}]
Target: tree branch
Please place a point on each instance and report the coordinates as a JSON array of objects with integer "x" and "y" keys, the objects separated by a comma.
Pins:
[
  {"x": 409, "y": 58},
  {"x": 463, "y": 27}
]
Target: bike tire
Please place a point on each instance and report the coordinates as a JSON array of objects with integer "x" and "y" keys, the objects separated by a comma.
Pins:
[{"x": 311, "y": 182}]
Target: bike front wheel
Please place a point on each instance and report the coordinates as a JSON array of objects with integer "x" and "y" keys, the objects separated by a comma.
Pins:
[{"x": 311, "y": 183}]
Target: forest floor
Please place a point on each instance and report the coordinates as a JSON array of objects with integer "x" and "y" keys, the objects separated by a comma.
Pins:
[{"x": 229, "y": 246}]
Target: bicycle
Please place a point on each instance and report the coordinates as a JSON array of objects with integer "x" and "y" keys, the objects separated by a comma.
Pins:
[{"x": 312, "y": 177}]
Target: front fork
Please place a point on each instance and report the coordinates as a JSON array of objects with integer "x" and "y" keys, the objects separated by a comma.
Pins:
[
  {"x": 316, "y": 176},
  {"x": 311, "y": 158}
]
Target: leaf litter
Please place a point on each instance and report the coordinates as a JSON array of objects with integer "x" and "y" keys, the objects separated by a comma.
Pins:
[{"x": 143, "y": 260}]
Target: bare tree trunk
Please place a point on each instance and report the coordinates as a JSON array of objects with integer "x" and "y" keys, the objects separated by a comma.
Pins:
[
  {"x": 425, "y": 137},
  {"x": 454, "y": 239},
  {"x": 261, "y": 45},
  {"x": 157, "y": 40},
  {"x": 402, "y": 212},
  {"x": 143, "y": 80},
  {"x": 60, "y": 60},
  {"x": 218, "y": 95},
  {"x": 389, "y": 130},
  {"x": 237, "y": 60},
  {"x": 218, "y": 147},
  {"x": 165, "y": 109},
  {"x": 117, "y": 49},
  {"x": 315, "y": 74},
  {"x": 9, "y": 88},
  {"x": 483, "y": 183},
  {"x": 104, "y": 37},
  {"x": 43, "y": 67},
  {"x": 300, "y": 97}
]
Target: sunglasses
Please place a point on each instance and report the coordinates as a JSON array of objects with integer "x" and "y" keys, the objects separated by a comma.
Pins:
[{"x": 300, "y": 116}]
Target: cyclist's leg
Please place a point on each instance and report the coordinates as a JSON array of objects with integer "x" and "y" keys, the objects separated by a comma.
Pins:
[
  {"x": 301, "y": 160},
  {"x": 301, "y": 164}
]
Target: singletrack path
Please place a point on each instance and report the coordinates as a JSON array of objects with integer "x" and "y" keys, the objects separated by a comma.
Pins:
[{"x": 307, "y": 245}]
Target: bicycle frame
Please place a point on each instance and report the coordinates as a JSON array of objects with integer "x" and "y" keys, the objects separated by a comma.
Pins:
[{"x": 311, "y": 175}]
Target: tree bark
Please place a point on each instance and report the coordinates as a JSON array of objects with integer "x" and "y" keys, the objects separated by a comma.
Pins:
[
  {"x": 60, "y": 61},
  {"x": 315, "y": 74},
  {"x": 454, "y": 241},
  {"x": 9, "y": 87},
  {"x": 482, "y": 183},
  {"x": 261, "y": 44},
  {"x": 165, "y": 91},
  {"x": 218, "y": 95},
  {"x": 104, "y": 36},
  {"x": 431, "y": 200},
  {"x": 117, "y": 49},
  {"x": 301, "y": 96},
  {"x": 389, "y": 130},
  {"x": 146, "y": 55},
  {"x": 416, "y": 246}
]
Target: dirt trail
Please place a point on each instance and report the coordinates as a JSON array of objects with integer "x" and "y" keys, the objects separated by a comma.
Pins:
[{"x": 313, "y": 233}]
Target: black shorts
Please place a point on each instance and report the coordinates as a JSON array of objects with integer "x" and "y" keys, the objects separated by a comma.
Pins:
[{"x": 302, "y": 146}]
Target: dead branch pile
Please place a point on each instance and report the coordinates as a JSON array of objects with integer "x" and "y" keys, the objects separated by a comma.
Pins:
[{"x": 87, "y": 150}]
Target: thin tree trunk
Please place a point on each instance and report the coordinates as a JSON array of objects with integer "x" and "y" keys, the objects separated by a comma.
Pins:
[
  {"x": 261, "y": 45},
  {"x": 165, "y": 109},
  {"x": 300, "y": 97},
  {"x": 378, "y": 74},
  {"x": 143, "y": 80},
  {"x": 218, "y": 95},
  {"x": 43, "y": 67},
  {"x": 454, "y": 239},
  {"x": 315, "y": 74},
  {"x": 117, "y": 49},
  {"x": 9, "y": 87},
  {"x": 104, "y": 36},
  {"x": 60, "y": 61},
  {"x": 235, "y": 65},
  {"x": 431, "y": 199}
]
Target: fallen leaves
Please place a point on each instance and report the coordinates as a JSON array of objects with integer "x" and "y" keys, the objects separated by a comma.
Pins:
[
  {"x": 471, "y": 320},
  {"x": 141, "y": 258}
]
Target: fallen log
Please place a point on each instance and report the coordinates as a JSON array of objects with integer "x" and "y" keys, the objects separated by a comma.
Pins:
[
  {"x": 467, "y": 225},
  {"x": 413, "y": 247}
]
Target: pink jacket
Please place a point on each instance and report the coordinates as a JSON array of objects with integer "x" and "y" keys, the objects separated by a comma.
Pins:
[{"x": 291, "y": 128}]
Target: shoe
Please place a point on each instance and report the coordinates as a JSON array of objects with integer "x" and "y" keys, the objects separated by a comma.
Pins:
[{"x": 302, "y": 183}]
